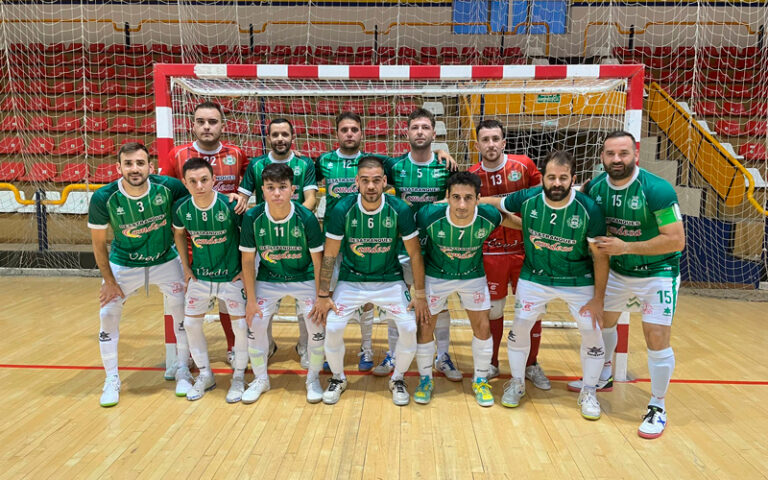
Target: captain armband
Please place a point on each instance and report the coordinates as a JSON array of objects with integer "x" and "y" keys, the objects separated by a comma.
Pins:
[{"x": 668, "y": 215}]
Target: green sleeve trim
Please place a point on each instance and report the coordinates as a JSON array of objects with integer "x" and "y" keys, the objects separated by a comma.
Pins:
[{"x": 668, "y": 215}]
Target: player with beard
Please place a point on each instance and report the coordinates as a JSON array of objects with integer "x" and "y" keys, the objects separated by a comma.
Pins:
[
  {"x": 646, "y": 237},
  {"x": 559, "y": 225},
  {"x": 138, "y": 208},
  {"x": 228, "y": 163}
]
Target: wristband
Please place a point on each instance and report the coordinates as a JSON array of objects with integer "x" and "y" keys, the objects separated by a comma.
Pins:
[{"x": 323, "y": 296}]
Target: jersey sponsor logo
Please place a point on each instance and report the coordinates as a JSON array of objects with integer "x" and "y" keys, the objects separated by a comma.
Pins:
[
  {"x": 437, "y": 173},
  {"x": 514, "y": 175},
  {"x": 459, "y": 253},
  {"x": 140, "y": 257},
  {"x": 647, "y": 308},
  {"x": 411, "y": 198},
  {"x": 275, "y": 254},
  {"x": 336, "y": 190},
  {"x": 360, "y": 249},
  {"x": 433, "y": 299},
  {"x": 136, "y": 230},
  {"x": 205, "y": 272},
  {"x": 318, "y": 336},
  {"x": 222, "y": 216},
  {"x": 575, "y": 222},
  {"x": 229, "y": 160},
  {"x": 198, "y": 241},
  {"x": 624, "y": 231},
  {"x": 158, "y": 200},
  {"x": 496, "y": 243},
  {"x": 595, "y": 352},
  {"x": 542, "y": 240}
]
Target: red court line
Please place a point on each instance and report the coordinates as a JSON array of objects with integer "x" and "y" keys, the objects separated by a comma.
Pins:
[{"x": 356, "y": 373}]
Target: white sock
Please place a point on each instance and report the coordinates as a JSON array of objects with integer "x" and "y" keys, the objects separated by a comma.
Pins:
[
  {"x": 109, "y": 333},
  {"x": 519, "y": 345},
  {"x": 315, "y": 341},
  {"x": 258, "y": 345},
  {"x": 661, "y": 364},
  {"x": 425, "y": 352},
  {"x": 610, "y": 338},
  {"x": 392, "y": 335},
  {"x": 198, "y": 346},
  {"x": 240, "y": 329},
  {"x": 482, "y": 351},
  {"x": 405, "y": 349},
  {"x": 443, "y": 333},
  {"x": 334, "y": 347},
  {"x": 592, "y": 355},
  {"x": 366, "y": 329},
  {"x": 303, "y": 335},
  {"x": 174, "y": 306}
]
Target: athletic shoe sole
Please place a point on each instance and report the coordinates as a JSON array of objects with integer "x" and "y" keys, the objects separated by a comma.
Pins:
[
  {"x": 107, "y": 405},
  {"x": 590, "y": 417},
  {"x": 649, "y": 436}
]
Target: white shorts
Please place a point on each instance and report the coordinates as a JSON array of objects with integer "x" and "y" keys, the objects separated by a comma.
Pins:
[
  {"x": 168, "y": 276},
  {"x": 202, "y": 294},
  {"x": 654, "y": 297},
  {"x": 393, "y": 297},
  {"x": 405, "y": 263},
  {"x": 269, "y": 294},
  {"x": 532, "y": 298},
  {"x": 473, "y": 293}
]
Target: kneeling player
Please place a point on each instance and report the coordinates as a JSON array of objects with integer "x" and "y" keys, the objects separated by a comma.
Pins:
[
  {"x": 453, "y": 260},
  {"x": 289, "y": 241},
  {"x": 558, "y": 223},
  {"x": 213, "y": 228}
]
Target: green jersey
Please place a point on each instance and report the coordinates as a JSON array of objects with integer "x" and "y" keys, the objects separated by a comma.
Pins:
[
  {"x": 215, "y": 235},
  {"x": 555, "y": 239},
  {"x": 303, "y": 176},
  {"x": 369, "y": 239},
  {"x": 453, "y": 252},
  {"x": 284, "y": 246},
  {"x": 417, "y": 184},
  {"x": 142, "y": 225},
  {"x": 634, "y": 212}
]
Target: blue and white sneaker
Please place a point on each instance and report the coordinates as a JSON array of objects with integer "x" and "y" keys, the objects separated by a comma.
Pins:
[
  {"x": 386, "y": 366},
  {"x": 654, "y": 421},
  {"x": 445, "y": 366},
  {"x": 366, "y": 360}
]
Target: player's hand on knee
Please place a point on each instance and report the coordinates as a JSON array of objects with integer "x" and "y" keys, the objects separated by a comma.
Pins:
[
  {"x": 419, "y": 307},
  {"x": 252, "y": 310},
  {"x": 188, "y": 275},
  {"x": 595, "y": 310},
  {"x": 108, "y": 292},
  {"x": 319, "y": 313}
]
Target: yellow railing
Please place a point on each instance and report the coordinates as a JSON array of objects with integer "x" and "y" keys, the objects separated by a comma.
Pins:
[
  {"x": 720, "y": 169},
  {"x": 64, "y": 193}
]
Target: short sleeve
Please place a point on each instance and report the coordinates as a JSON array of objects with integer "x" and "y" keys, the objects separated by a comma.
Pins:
[
  {"x": 249, "y": 181},
  {"x": 661, "y": 196},
  {"x": 406, "y": 224},
  {"x": 596, "y": 226},
  {"x": 177, "y": 221},
  {"x": 318, "y": 169},
  {"x": 310, "y": 181},
  {"x": 513, "y": 202},
  {"x": 492, "y": 215},
  {"x": 247, "y": 241},
  {"x": 314, "y": 233},
  {"x": 98, "y": 216},
  {"x": 335, "y": 226}
]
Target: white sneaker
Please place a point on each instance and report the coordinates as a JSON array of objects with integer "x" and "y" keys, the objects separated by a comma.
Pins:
[
  {"x": 654, "y": 421},
  {"x": 590, "y": 407},
  {"x": 493, "y": 372},
  {"x": 184, "y": 382},
  {"x": 236, "y": 389},
  {"x": 536, "y": 375},
  {"x": 230, "y": 357},
  {"x": 203, "y": 384},
  {"x": 400, "y": 395},
  {"x": 303, "y": 354},
  {"x": 445, "y": 365},
  {"x": 111, "y": 392},
  {"x": 314, "y": 391},
  {"x": 514, "y": 390},
  {"x": 255, "y": 389},
  {"x": 336, "y": 387}
]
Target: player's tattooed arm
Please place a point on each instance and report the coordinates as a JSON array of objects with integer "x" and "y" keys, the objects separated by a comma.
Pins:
[
  {"x": 323, "y": 303},
  {"x": 109, "y": 289}
]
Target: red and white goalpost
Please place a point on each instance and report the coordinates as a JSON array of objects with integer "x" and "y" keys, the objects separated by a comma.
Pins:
[{"x": 569, "y": 107}]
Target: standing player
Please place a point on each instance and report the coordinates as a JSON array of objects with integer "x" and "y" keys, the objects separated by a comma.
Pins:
[
  {"x": 138, "y": 208},
  {"x": 503, "y": 252},
  {"x": 558, "y": 225},
  {"x": 228, "y": 163},
  {"x": 367, "y": 229},
  {"x": 289, "y": 241},
  {"x": 280, "y": 136},
  {"x": 646, "y": 237},
  {"x": 419, "y": 178},
  {"x": 455, "y": 233},
  {"x": 209, "y": 218}
]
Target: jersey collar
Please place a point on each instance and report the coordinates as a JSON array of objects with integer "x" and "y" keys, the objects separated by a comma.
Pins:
[
  {"x": 341, "y": 155},
  {"x": 491, "y": 170},
  {"x": 410, "y": 158},
  {"x": 626, "y": 185},
  {"x": 285, "y": 220},
  {"x": 206, "y": 152},
  {"x": 448, "y": 216},
  {"x": 122, "y": 190},
  {"x": 570, "y": 200},
  {"x": 215, "y": 197},
  {"x": 369, "y": 212},
  {"x": 272, "y": 159}
]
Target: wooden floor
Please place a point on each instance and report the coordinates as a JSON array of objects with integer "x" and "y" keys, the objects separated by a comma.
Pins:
[{"x": 53, "y": 427}]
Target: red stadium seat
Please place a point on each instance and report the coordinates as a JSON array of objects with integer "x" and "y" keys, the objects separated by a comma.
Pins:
[
  {"x": 405, "y": 107},
  {"x": 142, "y": 104},
  {"x": 40, "y": 172},
  {"x": 105, "y": 173},
  {"x": 111, "y": 87},
  {"x": 299, "y": 127},
  {"x": 707, "y": 107},
  {"x": 72, "y": 173},
  {"x": 40, "y": 123},
  {"x": 377, "y": 128},
  {"x": 10, "y": 104},
  {"x": 401, "y": 148},
  {"x": 758, "y": 128},
  {"x": 274, "y": 106},
  {"x": 746, "y": 91},
  {"x": 429, "y": 56},
  {"x": 96, "y": 123},
  {"x": 759, "y": 109},
  {"x": 355, "y": 106},
  {"x": 327, "y": 107},
  {"x": 10, "y": 171},
  {"x": 70, "y": 146},
  {"x": 93, "y": 104},
  {"x": 116, "y": 104},
  {"x": 147, "y": 125},
  {"x": 491, "y": 55},
  {"x": 236, "y": 127},
  {"x": 323, "y": 52},
  {"x": 249, "y": 106},
  {"x": 101, "y": 146},
  {"x": 65, "y": 104},
  {"x": 379, "y": 107},
  {"x": 385, "y": 54},
  {"x": 344, "y": 54},
  {"x": 379, "y": 148},
  {"x": 13, "y": 123},
  {"x": 314, "y": 149},
  {"x": 728, "y": 127},
  {"x": 401, "y": 128},
  {"x": 99, "y": 72},
  {"x": 449, "y": 56},
  {"x": 133, "y": 87},
  {"x": 754, "y": 151},
  {"x": 252, "y": 148},
  {"x": 470, "y": 55},
  {"x": 406, "y": 52},
  {"x": 364, "y": 56},
  {"x": 736, "y": 109},
  {"x": 122, "y": 124},
  {"x": 300, "y": 106},
  {"x": 10, "y": 145},
  {"x": 320, "y": 127},
  {"x": 67, "y": 123},
  {"x": 61, "y": 87},
  {"x": 38, "y": 146}
]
